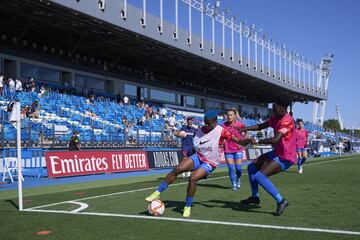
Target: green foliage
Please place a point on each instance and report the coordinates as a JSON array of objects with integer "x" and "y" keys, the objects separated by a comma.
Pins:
[{"x": 332, "y": 124}]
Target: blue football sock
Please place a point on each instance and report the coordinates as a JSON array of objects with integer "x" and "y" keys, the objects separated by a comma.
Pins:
[
  {"x": 163, "y": 185},
  {"x": 268, "y": 186},
  {"x": 253, "y": 183},
  {"x": 189, "y": 201},
  {"x": 232, "y": 173},
  {"x": 303, "y": 160},
  {"x": 238, "y": 170},
  {"x": 299, "y": 162}
]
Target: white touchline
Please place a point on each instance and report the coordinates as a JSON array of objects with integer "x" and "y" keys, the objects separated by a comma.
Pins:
[
  {"x": 318, "y": 230},
  {"x": 150, "y": 188}
]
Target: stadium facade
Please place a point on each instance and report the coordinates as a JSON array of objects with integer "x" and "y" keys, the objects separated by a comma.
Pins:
[{"x": 109, "y": 48}]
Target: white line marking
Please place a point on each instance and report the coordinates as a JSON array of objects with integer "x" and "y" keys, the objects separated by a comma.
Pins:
[
  {"x": 172, "y": 185},
  {"x": 318, "y": 230},
  {"x": 120, "y": 193},
  {"x": 82, "y": 206}
]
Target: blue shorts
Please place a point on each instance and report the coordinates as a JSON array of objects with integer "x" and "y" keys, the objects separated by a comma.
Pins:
[
  {"x": 284, "y": 164},
  {"x": 199, "y": 164},
  {"x": 301, "y": 150},
  {"x": 235, "y": 156}
]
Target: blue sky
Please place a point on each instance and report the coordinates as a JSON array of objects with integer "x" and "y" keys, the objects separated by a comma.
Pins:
[{"x": 311, "y": 27}]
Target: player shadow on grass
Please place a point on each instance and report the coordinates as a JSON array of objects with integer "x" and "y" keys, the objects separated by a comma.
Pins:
[{"x": 236, "y": 206}]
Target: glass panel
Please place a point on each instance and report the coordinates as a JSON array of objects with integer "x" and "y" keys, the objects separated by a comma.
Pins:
[
  {"x": 129, "y": 90},
  {"x": 162, "y": 96}
]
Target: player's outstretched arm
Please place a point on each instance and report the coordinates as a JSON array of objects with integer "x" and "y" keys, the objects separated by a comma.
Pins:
[
  {"x": 273, "y": 140},
  {"x": 254, "y": 127},
  {"x": 243, "y": 142}
]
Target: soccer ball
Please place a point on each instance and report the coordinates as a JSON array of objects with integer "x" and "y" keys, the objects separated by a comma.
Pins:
[{"x": 156, "y": 208}]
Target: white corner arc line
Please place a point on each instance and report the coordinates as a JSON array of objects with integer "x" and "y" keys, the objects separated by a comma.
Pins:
[
  {"x": 82, "y": 206},
  {"x": 264, "y": 226}
]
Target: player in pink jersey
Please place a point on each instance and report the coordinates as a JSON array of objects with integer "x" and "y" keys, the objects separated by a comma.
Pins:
[
  {"x": 207, "y": 141},
  {"x": 233, "y": 151},
  {"x": 302, "y": 140},
  {"x": 281, "y": 158}
]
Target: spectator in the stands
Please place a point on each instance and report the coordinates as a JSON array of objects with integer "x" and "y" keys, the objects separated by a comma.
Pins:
[
  {"x": 157, "y": 114},
  {"x": 42, "y": 91},
  {"x": 140, "y": 121},
  {"x": 74, "y": 143},
  {"x": 1, "y": 84},
  {"x": 118, "y": 97},
  {"x": 31, "y": 85},
  {"x": 126, "y": 101},
  {"x": 172, "y": 121},
  {"x": 92, "y": 99},
  {"x": 11, "y": 86},
  {"x": 163, "y": 112},
  {"x": 18, "y": 86},
  {"x": 124, "y": 120},
  {"x": 34, "y": 110}
]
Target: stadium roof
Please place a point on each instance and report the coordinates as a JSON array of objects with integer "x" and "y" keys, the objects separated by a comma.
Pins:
[{"x": 69, "y": 26}]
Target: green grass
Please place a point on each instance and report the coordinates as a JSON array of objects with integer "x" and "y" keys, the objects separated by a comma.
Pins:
[{"x": 326, "y": 196}]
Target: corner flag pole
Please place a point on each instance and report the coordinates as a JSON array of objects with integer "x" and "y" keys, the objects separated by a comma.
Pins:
[{"x": 15, "y": 117}]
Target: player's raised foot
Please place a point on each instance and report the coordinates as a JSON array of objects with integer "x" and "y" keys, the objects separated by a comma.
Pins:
[
  {"x": 251, "y": 200},
  {"x": 281, "y": 207},
  {"x": 155, "y": 195},
  {"x": 187, "y": 212}
]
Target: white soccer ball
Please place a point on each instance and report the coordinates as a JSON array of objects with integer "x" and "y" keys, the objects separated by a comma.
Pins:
[
  {"x": 182, "y": 134},
  {"x": 156, "y": 208}
]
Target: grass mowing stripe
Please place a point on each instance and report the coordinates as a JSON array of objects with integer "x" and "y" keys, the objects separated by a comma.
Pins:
[
  {"x": 176, "y": 184},
  {"x": 318, "y": 230}
]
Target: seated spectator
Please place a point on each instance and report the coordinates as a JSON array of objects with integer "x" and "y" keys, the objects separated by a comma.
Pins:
[
  {"x": 124, "y": 120},
  {"x": 140, "y": 121},
  {"x": 18, "y": 86},
  {"x": 118, "y": 97},
  {"x": 1, "y": 83},
  {"x": 31, "y": 85},
  {"x": 42, "y": 91},
  {"x": 34, "y": 110},
  {"x": 92, "y": 99},
  {"x": 126, "y": 101},
  {"x": 11, "y": 85},
  {"x": 172, "y": 121}
]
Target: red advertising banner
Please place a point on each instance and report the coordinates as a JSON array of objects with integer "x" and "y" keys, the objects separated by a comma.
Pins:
[{"x": 74, "y": 163}]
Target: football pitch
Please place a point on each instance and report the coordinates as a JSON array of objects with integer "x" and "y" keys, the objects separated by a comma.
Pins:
[{"x": 324, "y": 204}]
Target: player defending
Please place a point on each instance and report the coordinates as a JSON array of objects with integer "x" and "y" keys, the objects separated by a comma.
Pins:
[
  {"x": 233, "y": 151},
  {"x": 271, "y": 163},
  {"x": 187, "y": 133},
  {"x": 207, "y": 157},
  {"x": 302, "y": 140}
]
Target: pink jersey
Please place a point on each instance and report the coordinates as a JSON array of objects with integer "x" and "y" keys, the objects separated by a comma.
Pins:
[
  {"x": 301, "y": 137},
  {"x": 231, "y": 146},
  {"x": 286, "y": 148}
]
